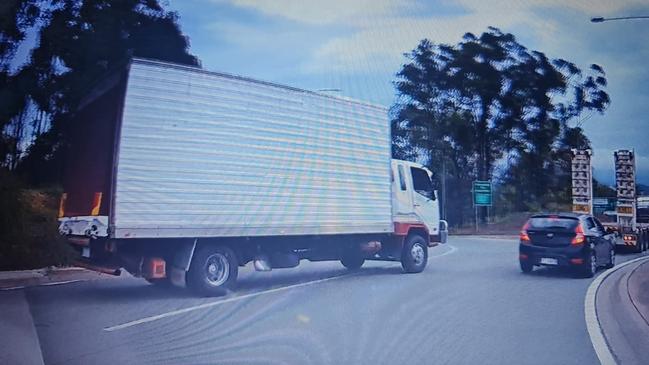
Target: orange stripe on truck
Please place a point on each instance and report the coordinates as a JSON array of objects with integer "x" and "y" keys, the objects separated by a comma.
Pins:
[
  {"x": 96, "y": 204},
  {"x": 64, "y": 197}
]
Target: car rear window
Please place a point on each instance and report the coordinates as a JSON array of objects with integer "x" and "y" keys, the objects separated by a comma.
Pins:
[{"x": 551, "y": 222}]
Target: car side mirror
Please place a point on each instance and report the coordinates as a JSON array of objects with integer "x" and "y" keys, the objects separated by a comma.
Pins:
[{"x": 434, "y": 195}]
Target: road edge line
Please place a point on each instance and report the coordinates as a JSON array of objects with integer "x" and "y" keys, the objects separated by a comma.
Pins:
[
  {"x": 450, "y": 251},
  {"x": 603, "y": 351},
  {"x": 219, "y": 302}
]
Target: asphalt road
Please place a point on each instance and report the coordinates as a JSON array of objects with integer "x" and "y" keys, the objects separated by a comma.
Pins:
[{"x": 471, "y": 305}]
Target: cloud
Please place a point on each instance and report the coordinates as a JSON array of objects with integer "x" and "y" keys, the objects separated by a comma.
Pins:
[
  {"x": 323, "y": 12},
  {"x": 587, "y": 7},
  {"x": 380, "y": 41}
]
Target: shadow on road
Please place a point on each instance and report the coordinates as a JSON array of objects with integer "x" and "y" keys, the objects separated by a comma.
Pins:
[
  {"x": 566, "y": 272},
  {"x": 129, "y": 289}
]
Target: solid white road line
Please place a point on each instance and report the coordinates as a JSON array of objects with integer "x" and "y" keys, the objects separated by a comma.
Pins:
[
  {"x": 61, "y": 282},
  {"x": 214, "y": 304},
  {"x": 592, "y": 322},
  {"x": 237, "y": 298}
]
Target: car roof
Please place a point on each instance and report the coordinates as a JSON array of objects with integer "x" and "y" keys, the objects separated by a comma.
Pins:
[{"x": 561, "y": 214}]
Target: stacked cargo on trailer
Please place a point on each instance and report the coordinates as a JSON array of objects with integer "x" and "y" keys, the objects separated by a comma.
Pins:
[
  {"x": 181, "y": 175},
  {"x": 632, "y": 233}
]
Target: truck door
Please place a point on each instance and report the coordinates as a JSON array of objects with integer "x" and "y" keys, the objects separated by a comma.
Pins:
[
  {"x": 424, "y": 199},
  {"x": 402, "y": 199}
]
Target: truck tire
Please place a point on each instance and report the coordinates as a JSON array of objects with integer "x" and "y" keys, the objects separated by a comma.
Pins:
[
  {"x": 639, "y": 243},
  {"x": 611, "y": 258},
  {"x": 213, "y": 271},
  {"x": 352, "y": 262},
  {"x": 414, "y": 255}
]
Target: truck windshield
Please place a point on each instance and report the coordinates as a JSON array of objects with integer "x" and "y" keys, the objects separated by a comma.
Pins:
[{"x": 421, "y": 182}]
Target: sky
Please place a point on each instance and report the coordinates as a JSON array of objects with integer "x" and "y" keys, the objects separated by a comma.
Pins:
[{"x": 357, "y": 46}]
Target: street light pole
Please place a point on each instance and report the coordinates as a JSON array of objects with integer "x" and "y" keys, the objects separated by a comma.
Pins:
[{"x": 600, "y": 19}]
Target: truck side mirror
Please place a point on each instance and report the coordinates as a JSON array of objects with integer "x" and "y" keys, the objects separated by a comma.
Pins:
[{"x": 434, "y": 195}]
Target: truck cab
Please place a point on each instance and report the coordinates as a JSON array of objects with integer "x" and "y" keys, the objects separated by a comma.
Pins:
[{"x": 415, "y": 201}]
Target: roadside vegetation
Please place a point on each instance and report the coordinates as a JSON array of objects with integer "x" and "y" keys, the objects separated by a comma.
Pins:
[
  {"x": 78, "y": 41},
  {"x": 29, "y": 236},
  {"x": 489, "y": 108}
]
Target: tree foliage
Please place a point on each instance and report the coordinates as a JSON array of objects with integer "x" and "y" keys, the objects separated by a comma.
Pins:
[
  {"x": 79, "y": 42},
  {"x": 489, "y": 102}
]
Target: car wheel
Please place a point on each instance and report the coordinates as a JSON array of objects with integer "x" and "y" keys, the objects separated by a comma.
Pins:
[
  {"x": 414, "y": 255},
  {"x": 590, "y": 266},
  {"x": 213, "y": 271},
  {"x": 611, "y": 258},
  {"x": 526, "y": 266},
  {"x": 352, "y": 262}
]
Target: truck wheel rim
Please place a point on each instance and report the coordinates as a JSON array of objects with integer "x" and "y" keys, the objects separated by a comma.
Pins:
[
  {"x": 417, "y": 254},
  {"x": 217, "y": 269}
]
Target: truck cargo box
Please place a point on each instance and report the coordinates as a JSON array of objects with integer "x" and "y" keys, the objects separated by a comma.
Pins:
[{"x": 172, "y": 151}]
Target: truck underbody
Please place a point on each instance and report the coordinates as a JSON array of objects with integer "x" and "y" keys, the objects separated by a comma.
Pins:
[{"x": 178, "y": 261}]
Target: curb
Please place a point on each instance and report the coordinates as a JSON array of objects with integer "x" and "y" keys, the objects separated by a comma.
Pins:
[
  {"x": 597, "y": 338},
  {"x": 634, "y": 292},
  {"x": 13, "y": 280},
  {"x": 35, "y": 273}
]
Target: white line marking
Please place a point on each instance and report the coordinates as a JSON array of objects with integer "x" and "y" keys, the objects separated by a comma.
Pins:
[
  {"x": 452, "y": 249},
  {"x": 237, "y": 298},
  {"x": 43, "y": 284},
  {"x": 60, "y": 282},
  {"x": 592, "y": 322},
  {"x": 213, "y": 304},
  {"x": 13, "y": 288}
]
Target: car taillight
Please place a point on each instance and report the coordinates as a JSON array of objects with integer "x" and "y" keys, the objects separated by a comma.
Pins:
[
  {"x": 524, "y": 237},
  {"x": 579, "y": 236}
]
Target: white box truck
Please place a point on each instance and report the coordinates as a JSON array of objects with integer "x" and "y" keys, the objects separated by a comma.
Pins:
[{"x": 180, "y": 175}]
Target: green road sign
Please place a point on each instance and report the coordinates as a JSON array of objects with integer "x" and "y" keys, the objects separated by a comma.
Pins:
[{"x": 482, "y": 193}]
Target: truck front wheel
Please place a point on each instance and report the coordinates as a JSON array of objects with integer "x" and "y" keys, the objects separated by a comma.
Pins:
[
  {"x": 414, "y": 255},
  {"x": 213, "y": 271}
]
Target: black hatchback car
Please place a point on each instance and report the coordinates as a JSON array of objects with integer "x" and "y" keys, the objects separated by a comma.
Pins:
[{"x": 571, "y": 240}]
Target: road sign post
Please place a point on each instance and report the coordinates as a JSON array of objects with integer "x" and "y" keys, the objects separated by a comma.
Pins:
[{"x": 482, "y": 197}]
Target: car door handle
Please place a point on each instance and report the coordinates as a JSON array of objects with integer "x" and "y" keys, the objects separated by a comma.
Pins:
[{"x": 417, "y": 205}]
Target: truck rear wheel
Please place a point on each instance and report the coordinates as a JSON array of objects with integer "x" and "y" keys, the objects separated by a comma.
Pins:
[
  {"x": 639, "y": 243},
  {"x": 213, "y": 271},
  {"x": 414, "y": 255}
]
